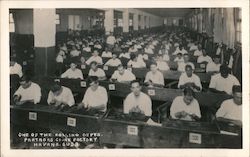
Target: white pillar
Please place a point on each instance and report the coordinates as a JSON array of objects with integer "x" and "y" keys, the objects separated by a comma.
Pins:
[
  {"x": 125, "y": 20},
  {"x": 44, "y": 36},
  {"x": 135, "y": 21},
  {"x": 142, "y": 21},
  {"x": 109, "y": 20}
]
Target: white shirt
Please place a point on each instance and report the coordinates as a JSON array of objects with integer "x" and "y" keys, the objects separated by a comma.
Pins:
[
  {"x": 179, "y": 105},
  {"x": 197, "y": 53},
  {"x": 202, "y": 58},
  {"x": 107, "y": 54},
  {"x": 193, "y": 79},
  {"x": 138, "y": 64},
  {"x": 182, "y": 65},
  {"x": 87, "y": 49},
  {"x": 111, "y": 40},
  {"x": 183, "y": 51},
  {"x": 148, "y": 51},
  {"x": 125, "y": 55},
  {"x": 161, "y": 65},
  {"x": 230, "y": 110},
  {"x": 95, "y": 98},
  {"x": 143, "y": 57},
  {"x": 194, "y": 47},
  {"x": 113, "y": 62},
  {"x": 16, "y": 69},
  {"x": 177, "y": 59},
  {"x": 59, "y": 58},
  {"x": 223, "y": 84},
  {"x": 77, "y": 73},
  {"x": 66, "y": 96},
  {"x": 156, "y": 78},
  {"x": 98, "y": 59},
  {"x": 99, "y": 73},
  {"x": 75, "y": 53},
  {"x": 127, "y": 76},
  {"x": 211, "y": 67},
  {"x": 132, "y": 50},
  {"x": 143, "y": 102},
  {"x": 33, "y": 92}
]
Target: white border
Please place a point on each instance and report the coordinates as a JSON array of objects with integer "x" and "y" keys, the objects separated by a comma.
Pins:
[{"x": 5, "y": 119}]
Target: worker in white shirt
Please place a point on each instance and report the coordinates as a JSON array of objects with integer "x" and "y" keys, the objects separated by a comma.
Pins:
[
  {"x": 194, "y": 47},
  {"x": 198, "y": 52},
  {"x": 204, "y": 57},
  {"x": 107, "y": 53},
  {"x": 86, "y": 48},
  {"x": 95, "y": 57},
  {"x": 15, "y": 68},
  {"x": 97, "y": 45},
  {"x": 180, "y": 50},
  {"x": 114, "y": 61},
  {"x": 179, "y": 58},
  {"x": 148, "y": 50},
  {"x": 214, "y": 66},
  {"x": 182, "y": 65},
  {"x": 154, "y": 77},
  {"x": 161, "y": 63},
  {"x": 189, "y": 79},
  {"x": 134, "y": 62},
  {"x": 232, "y": 108},
  {"x": 60, "y": 96},
  {"x": 223, "y": 82},
  {"x": 137, "y": 101},
  {"x": 27, "y": 92},
  {"x": 122, "y": 75},
  {"x": 110, "y": 40},
  {"x": 125, "y": 55},
  {"x": 73, "y": 72},
  {"x": 95, "y": 97},
  {"x": 95, "y": 71},
  {"x": 185, "y": 107},
  {"x": 74, "y": 52},
  {"x": 132, "y": 49}
]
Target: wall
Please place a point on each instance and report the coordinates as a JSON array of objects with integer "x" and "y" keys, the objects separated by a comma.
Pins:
[
  {"x": 170, "y": 20},
  {"x": 23, "y": 19}
]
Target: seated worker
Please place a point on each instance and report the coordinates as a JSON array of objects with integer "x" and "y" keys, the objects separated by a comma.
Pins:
[
  {"x": 214, "y": 66},
  {"x": 95, "y": 58},
  {"x": 179, "y": 58},
  {"x": 204, "y": 57},
  {"x": 122, "y": 75},
  {"x": 185, "y": 107},
  {"x": 86, "y": 48},
  {"x": 163, "y": 50},
  {"x": 232, "y": 108},
  {"x": 223, "y": 82},
  {"x": 182, "y": 65},
  {"x": 95, "y": 97},
  {"x": 97, "y": 45},
  {"x": 132, "y": 49},
  {"x": 134, "y": 62},
  {"x": 198, "y": 52},
  {"x": 60, "y": 95},
  {"x": 106, "y": 53},
  {"x": 114, "y": 61},
  {"x": 82, "y": 64},
  {"x": 125, "y": 55},
  {"x": 180, "y": 50},
  {"x": 161, "y": 64},
  {"x": 194, "y": 47},
  {"x": 189, "y": 79},
  {"x": 137, "y": 101},
  {"x": 154, "y": 77},
  {"x": 74, "y": 52},
  {"x": 73, "y": 72},
  {"x": 15, "y": 68},
  {"x": 27, "y": 92},
  {"x": 117, "y": 48},
  {"x": 95, "y": 71},
  {"x": 148, "y": 50}
]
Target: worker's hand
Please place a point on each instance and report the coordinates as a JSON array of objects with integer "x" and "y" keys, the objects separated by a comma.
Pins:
[
  {"x": 57, "y": 103},
  {"x": 183, "y": 114},
  {"x": 17, "y": 98},
  {"x": 80, "y": 106}
]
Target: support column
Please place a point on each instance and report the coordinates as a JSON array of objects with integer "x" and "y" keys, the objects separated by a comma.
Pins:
[
  {"x": 142, "y": 22},
  {"x": 135, "y": 21},
  {"x": 125, "y": 15},
  {"x": 44, "y": 35},
  {"x": 109, "y": 20}
]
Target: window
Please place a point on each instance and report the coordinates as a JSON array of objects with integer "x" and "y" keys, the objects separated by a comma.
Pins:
[
  {"x": 11, "y": 23},
  {"x": 238, "y": 25},
  {"x": 74, "y": 22},
  {"x": 120, "y": 23},
  {"x": 57, "y": 19}
]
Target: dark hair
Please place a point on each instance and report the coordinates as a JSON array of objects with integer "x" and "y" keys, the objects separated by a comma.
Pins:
[
  {"x": 56, "y": 86},
  {"x": 224, "y": 68},
  {"x": 153, "y": 63},
  {"x": 120, "y": 65},
  {"x": 93, "y": 62},
  {"x": 217, "y": 56},
  {"x": 188, "y": 91},
  {"x": 237, "y": 89},
  {"x": 188, "y": 66},
  {"x": 93, "y": 79},
  {"x": 132, "y": 56},
  {"x": 135, "y": 81}
]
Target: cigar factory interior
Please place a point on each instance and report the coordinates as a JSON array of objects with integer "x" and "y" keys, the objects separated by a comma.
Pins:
[{"x": 95, "y": 78}]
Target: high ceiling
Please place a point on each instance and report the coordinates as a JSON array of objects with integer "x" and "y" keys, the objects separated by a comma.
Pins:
[{"x": 167, "y": 12}]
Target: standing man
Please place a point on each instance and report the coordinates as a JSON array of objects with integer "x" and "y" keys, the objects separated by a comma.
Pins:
[{"x": 110, "y": 40}]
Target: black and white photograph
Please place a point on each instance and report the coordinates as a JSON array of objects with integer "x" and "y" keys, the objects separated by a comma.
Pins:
[{"x": 126, "y": 78}]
